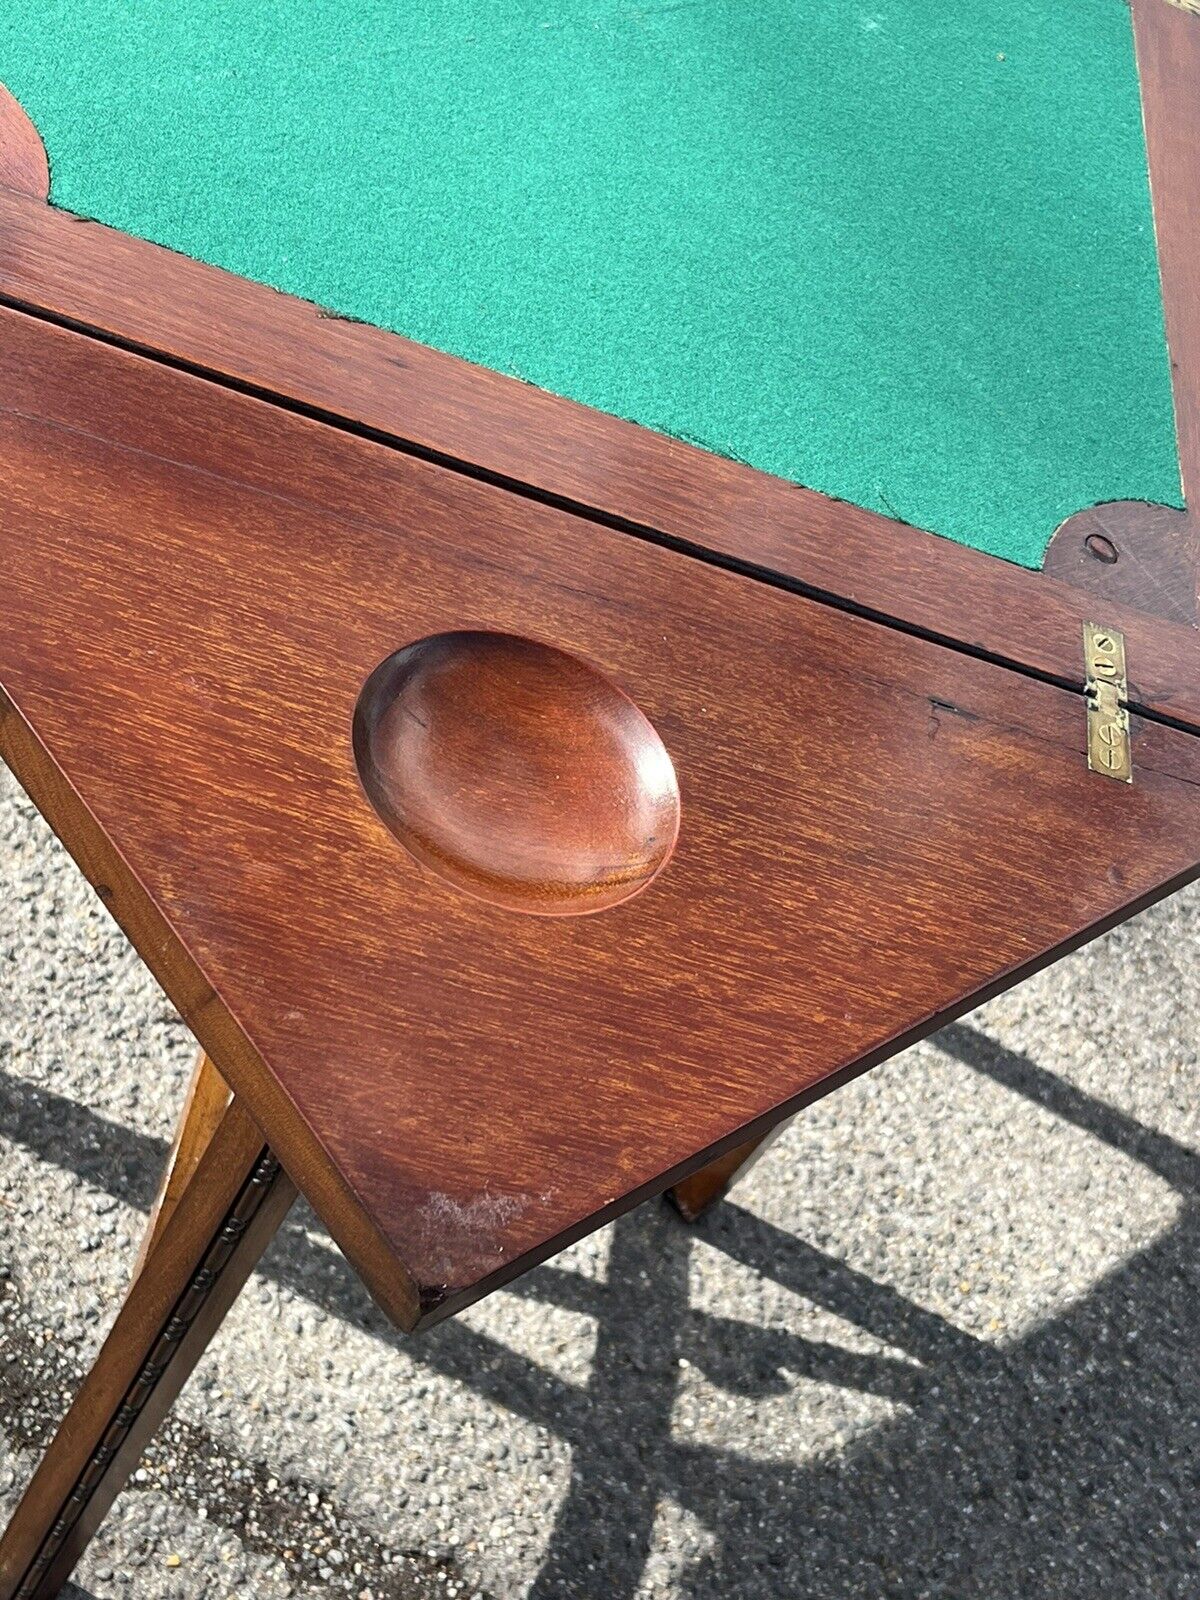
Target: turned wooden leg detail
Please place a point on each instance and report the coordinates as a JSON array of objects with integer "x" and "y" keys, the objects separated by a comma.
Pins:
[
  {"x": 207, "y": 1101},
  {"x": 702, "y": 1189},
  {"x": 214, "y": 1227}
]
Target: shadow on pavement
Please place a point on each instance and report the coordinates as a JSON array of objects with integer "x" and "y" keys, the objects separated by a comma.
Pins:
[{"x": 1064, "y": 1464}]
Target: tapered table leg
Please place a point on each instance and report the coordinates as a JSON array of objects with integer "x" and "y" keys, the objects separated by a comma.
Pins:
[
  {"x": 702, "y": 1189},
  {"x": 207, "y": 1100},
  {"x": 220, "y": 1225}
]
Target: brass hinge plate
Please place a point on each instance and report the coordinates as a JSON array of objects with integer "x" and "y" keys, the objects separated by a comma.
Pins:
[{"x": 1107, "y": 692}]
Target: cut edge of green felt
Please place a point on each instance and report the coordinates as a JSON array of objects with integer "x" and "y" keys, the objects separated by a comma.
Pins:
[{"x": 796, "y": 234}]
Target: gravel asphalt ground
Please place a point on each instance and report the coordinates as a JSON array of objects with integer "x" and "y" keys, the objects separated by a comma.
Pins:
[{"x": 942, "y": 1343}]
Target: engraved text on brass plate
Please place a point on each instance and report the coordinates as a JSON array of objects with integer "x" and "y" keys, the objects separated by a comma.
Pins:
[{"x": 1107, "y": 714}]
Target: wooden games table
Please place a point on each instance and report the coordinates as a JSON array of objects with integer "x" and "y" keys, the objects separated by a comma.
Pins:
[{"x": 526, "y": 810}]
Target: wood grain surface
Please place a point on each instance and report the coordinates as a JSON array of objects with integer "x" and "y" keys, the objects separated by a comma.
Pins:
[
  {"x": 876, "y": 831},
  {"x": 24, "y": 168},
  {"x": 656, "y": 487},
  {"x": 1131, "y": 553}
]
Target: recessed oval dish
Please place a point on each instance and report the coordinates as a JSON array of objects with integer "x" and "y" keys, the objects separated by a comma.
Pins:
[{"x": 517, "y": 772}]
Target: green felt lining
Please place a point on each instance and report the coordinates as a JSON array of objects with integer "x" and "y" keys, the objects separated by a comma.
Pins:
[{"x": 898, "y": 251}]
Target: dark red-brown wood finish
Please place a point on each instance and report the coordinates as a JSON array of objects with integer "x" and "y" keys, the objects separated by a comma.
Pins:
[
  {"x": 516, "y": 772},
  {"x": 876, "y": 830},
  {"x": 1128, "y": 553},
  {"x": 24, "y": 168},
  {"x": 665, "y": 490}
]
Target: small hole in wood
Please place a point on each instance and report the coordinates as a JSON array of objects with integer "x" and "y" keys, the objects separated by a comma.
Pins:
[{"x": 1102, "y": 548}]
